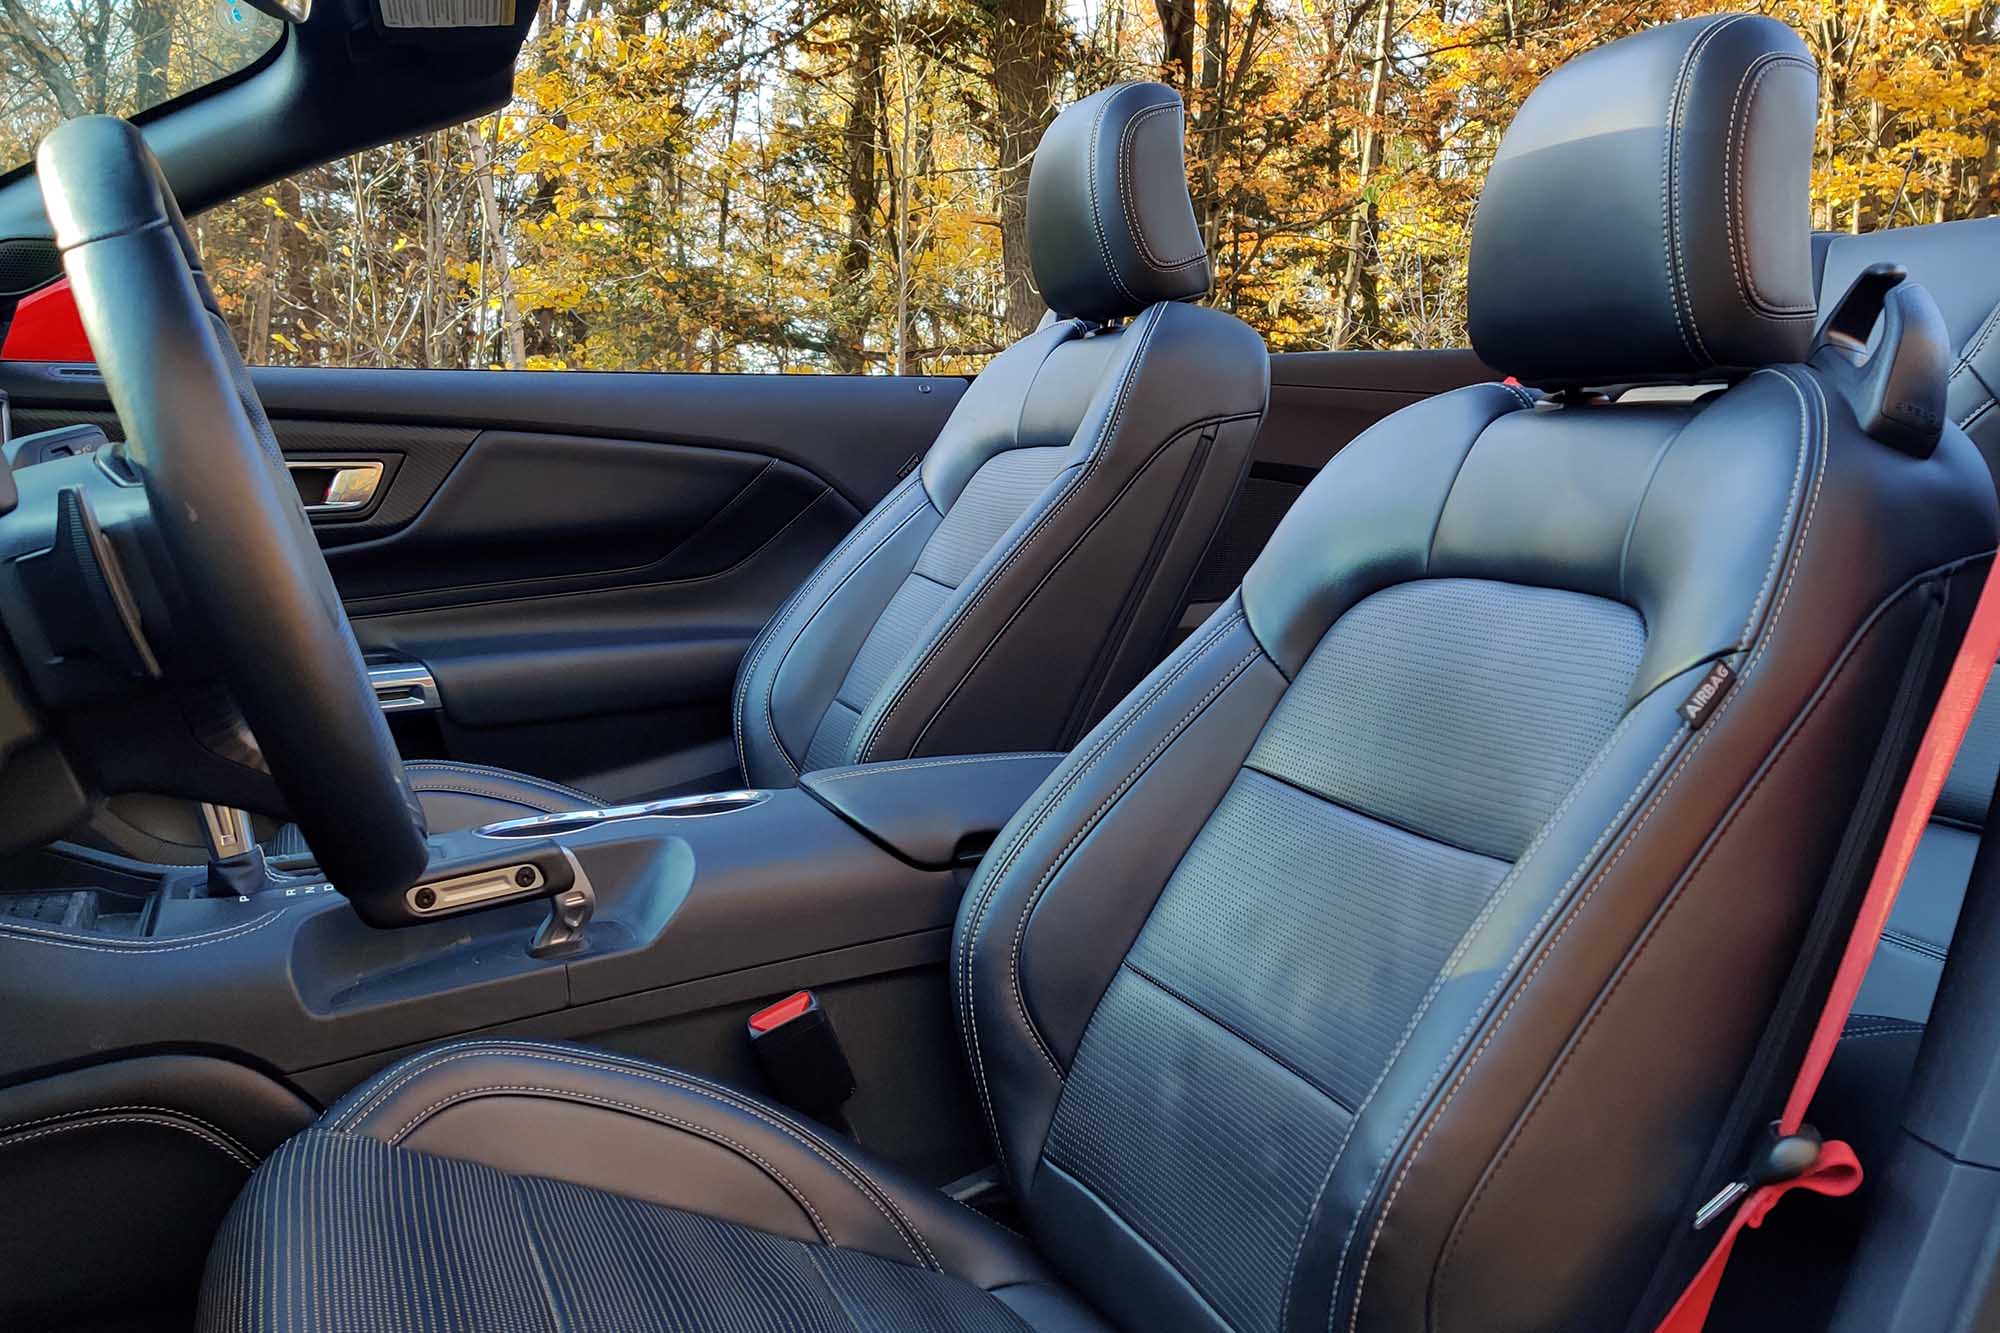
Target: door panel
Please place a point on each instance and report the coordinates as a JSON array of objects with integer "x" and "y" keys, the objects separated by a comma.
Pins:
[{"x": 580, "y": 559}]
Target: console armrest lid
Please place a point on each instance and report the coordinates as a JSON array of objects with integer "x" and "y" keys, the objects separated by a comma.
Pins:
[{"x": 929, "y": 811}]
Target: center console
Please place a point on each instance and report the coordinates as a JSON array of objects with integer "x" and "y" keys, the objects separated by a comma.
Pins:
[{"x": 704, "y": 908}]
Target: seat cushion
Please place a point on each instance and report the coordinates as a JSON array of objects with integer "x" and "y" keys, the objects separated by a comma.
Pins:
[{"x": 498, "y": 1186}]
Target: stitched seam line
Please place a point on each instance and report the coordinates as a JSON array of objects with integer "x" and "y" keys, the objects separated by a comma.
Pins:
[
  {"x": 1081, "y": 764},
  {"x": 644, "y": 1113},
  {"x": 480, "y": 772},
  {"x": 824, "y": 777},
  {"x": 1979, "y": 343},
  {"x": 549, "y": 807},
  {"x": 762, "y": 642},
  {"x": 1096, "y": 213},
  {"x": 100, "y": 1111},
  {"x": 1125, "y": 176},
  {"x": 1090, "y": 822},
  {"x": 1739, "y": 219},
  {"x": 772, "y": 628},
  {"x": 1670, "y": 188},
  {"x": 137, "y": 947},
  {"x": 1681, "y": 765},
  {"x": 685, "y": 1082},
  {"x": 1522, "y": 951},
  {"x": 159, "y": 1122},
  {"x": 949, "y": 631}
]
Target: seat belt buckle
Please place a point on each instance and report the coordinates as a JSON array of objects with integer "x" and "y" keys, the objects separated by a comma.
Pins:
[
  {"x": 1779, "y": 1158},
  {"x": 801, "y": 1056}
]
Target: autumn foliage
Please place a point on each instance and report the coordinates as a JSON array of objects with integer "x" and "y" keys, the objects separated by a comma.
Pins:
[{"x": 839, "y": 185}]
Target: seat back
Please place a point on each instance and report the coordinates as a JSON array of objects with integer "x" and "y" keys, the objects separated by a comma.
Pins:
[
  {"x": 1390, "y": 957},
  {"x": 1029, "y": 571}
]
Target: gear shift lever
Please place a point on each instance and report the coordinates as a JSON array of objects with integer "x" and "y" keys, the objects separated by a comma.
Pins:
[{"x": 235, "y": 861}]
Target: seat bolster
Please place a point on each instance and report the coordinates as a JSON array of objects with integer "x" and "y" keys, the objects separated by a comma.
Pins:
[
  {"x": 1180, "y": 370},
  {"x": 459, "y": 796},
  {"x": 793, "y": 667},
  {"x": 1029, "y": 963},
  {"x": 644, "y": 1131},
  {"x": 1372, "y": 524}
]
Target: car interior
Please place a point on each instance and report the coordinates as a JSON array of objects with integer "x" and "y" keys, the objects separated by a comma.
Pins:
[{"x": 1153, "y": 835}]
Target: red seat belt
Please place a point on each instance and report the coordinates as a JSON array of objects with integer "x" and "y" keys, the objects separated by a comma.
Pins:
[{"x": 1837, "y": 1171}]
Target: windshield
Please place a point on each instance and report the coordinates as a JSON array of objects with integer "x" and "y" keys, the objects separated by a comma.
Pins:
[{"x": 64, "y": 58}]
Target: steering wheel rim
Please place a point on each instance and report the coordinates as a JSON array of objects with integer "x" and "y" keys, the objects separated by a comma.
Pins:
[{"x": 254, "y": 579}]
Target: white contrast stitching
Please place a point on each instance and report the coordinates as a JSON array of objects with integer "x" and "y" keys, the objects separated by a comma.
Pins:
[
  {"x": 643, "y": 1112},
  {"x": 1125, "y": 175},
  {"x": 141, "y": 947},
  {"x": 812, "y": 1142},
  {"x": 761, "y": 647},
  {"x": 159, "y": 1122},
  {"x": 1041, "y": 524},
  {"x": 1082, "y": 764},
  {"x": 1738, "y": 222},
  {"x": 100, "y": 1111},
  {"x": 1670, "y": 191},
  {"x": 866, "y": 770}
]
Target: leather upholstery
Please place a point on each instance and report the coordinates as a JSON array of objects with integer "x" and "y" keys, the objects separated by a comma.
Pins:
[
  {"x": 1688, "y": 254},
  {"x": 1110, "y": 227},
  {"x": 538, "y": 1156},
  {"x": 1026, "y": 574},
  {"x": 1409, "y": 929}
]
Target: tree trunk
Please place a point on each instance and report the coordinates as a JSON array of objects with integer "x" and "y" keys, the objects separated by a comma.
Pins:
[
  {"x": 152, "y": 43},
  {"x": 1361, "y": 216},
  {"x": 1177, "y": 34},
  {"x": 858, "y": 148},
  {"x": 257, "y": 337},
  {"x": 1025, "y": 40},
  {"x": 502, "y": 252}
]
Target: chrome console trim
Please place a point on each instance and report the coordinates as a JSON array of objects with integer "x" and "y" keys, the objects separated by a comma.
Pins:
[{"x": 673, "y": 807}]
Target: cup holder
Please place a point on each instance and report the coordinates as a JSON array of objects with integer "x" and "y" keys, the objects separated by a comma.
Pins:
[{"x": 674, "y": 807}]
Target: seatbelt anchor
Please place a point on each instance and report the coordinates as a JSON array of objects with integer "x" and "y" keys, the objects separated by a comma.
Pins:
[
  {"x": 795, "y": 1043},
  {"x": 1780, "y": 1158}
]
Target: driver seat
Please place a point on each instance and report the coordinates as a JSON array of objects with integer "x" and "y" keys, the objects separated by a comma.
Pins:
[{"x": 1406, "y": 932}]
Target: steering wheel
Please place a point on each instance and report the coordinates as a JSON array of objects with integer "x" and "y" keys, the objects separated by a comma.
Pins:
[{"x": 238, "y": 549}]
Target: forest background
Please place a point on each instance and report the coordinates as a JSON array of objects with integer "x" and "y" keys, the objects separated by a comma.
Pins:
[{"x": 840, "y": 185}]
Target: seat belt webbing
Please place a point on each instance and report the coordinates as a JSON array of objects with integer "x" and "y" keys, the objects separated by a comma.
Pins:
[{"x": 1836, "y": 1171}]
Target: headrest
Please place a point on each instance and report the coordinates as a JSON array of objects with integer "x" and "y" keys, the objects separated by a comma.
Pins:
[
  {"x": 1110, "y": 227},
  {"x": 1646, "y": 216}
]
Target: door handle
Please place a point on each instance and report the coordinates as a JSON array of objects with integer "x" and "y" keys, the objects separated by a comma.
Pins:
[{"x": 335, "y": 486}]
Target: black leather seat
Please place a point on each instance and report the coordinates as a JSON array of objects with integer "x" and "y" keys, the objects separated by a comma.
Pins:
[
  {"x": 1389, "y": 957},
  {"x": 1030, "y": 571}
]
